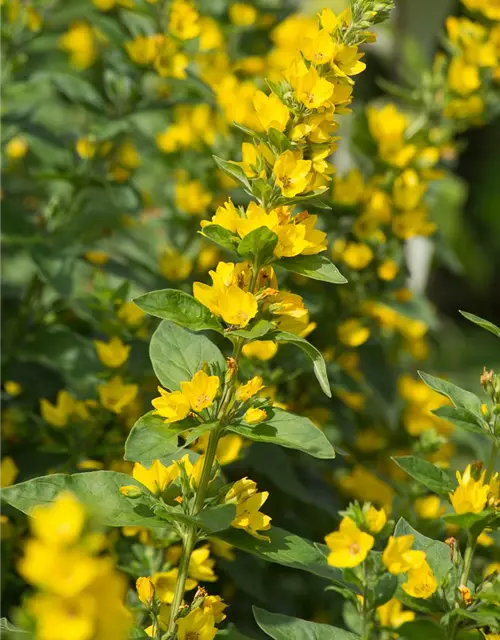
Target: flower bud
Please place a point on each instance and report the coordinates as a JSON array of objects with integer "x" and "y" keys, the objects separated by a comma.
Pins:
[
  {"x": 145, "y": 590},
  {"x": 131, "y": 491}
]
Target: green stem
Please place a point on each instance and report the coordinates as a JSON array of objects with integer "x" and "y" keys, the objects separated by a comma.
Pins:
[
  {"x": 366, "y": 622},
  {"x": 191, "y": 531},
  {"x": 492, "y": 462}
]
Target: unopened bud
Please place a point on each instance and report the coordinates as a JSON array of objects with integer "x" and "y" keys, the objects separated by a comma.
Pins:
[
  {"x": 131, "y": 491},
  {"x": 145, "y": 590},
  {"x": 454, "y": 549},
  {"x": 485, "y": 412},
  {"x": 466, "y": 594}
]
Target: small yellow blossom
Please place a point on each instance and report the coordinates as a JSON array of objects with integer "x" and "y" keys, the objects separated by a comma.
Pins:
[
  {"x": 86, "y": 148},
  {"x": 60, "y": 523},
  {"x": 79, "y": 42},
  {"x": 173, "y": 406},
  {"x": 388, "y": 270},
  {"x": 157, "y": 478},
  {"x": 175, "y": 266},
  {"x": 375, "y": 519},
  {"x": 164, "y": 584},
  {"x": 12, "y": 388},
  {"x": 353, "y": 333},
  {"x": 248, "y": 390},
  {"x": 115, "y": 395},
  {"x": 184, "y": 22},
  {"x": 145, "y": 590},
  {"x": 192, "y": 197},
  {"x": 260, "y": 349},
  {"x": 248, "y": 503},
  {"x": 398, "y": 556},
  {"x": 113, "y": 353},
  {"x": 471, "y": 495},
  {"x": 271, "y": 112},
  {"x": 357, "y": 256},
  {"x": 348, "y": 546},
  {"x": 8, "y": 472},
  {"x": 201, "y": 566},
  {"x": 58, "y": 414},
  {"x": 201, "y": 391},
  {"x": 291, "y": 173},
  {"x": 421, "y": 582},
  {"x": 391, "y": 614},
  {"x": 429, "y": 507},
  {"x": 16, "y": 148},
  {"x": 197, "y": 625},
  {"x": 254, "y": 415},
  {"x": 242, "y": 14},
  {"x": 215, "y": 605}
]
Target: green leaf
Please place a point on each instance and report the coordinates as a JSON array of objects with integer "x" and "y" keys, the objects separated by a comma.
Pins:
[
  {"x": 233, "y": 170},
  {"x": 74, "y": 88},
  {"x": 278, "y": 140},
  {"x": 437, "y": 552},
  {"x": 220, "y": 236},
  {"x": 419, "y": 629},
  {"x": 177, "y": 354},
  {"x": 280, "y": 627},
  {"x": 231, "y": 633},
  {"x": 286, "y": 549},
  {"x": 250, "y": 132},
  {"x": 312, "y": 353},
  {"x": 99, "y": 490},
  {"x": 8, "y": 630},
  {"x": 384, "y": 590},
  {"x": 462, "y": 418},
  {"x": 288, "y": 430},
  {"x": 257, "y": 331},
  {"x": 460, "y": 398},
  {"x": 211, "y": 519},
  {"x": 152, "y": 439},
  {"x": 259, "y": 245},
  {"x": 466, "y": 520},
  {"x": 317, "y": 267},
  {"x": 427, "y": 474},
  {"x": 179, "y": 307},
  {"x": 485, "y": 324}
]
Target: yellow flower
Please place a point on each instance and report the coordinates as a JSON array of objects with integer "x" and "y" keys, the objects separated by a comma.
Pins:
[
  {"x": 271, "y": 112},
  {"x": 491, "y": 568},
  {"x": 215, "y": 606},
  {"x": 348, "y": 546},
  {"x": 98, "y": 258},
  {"x": 79, "y": 42},
  {"x": 113, "y": 353},
  {"x": 365, "y": 485},
  {"x": 12, "y": 388},
  {"x": 408, "y": 190},
  {"x": 8, "y": 472},
  {"x": 260, "y": 349},
  {"x": 471, "y": 495},
  {"x": 376, "y": 519},
  {"x": 248, "y": 390},
  {"x": 201, "y": 391},
  {"x": 225, "y": 216},
  {"x": 197, "y": 625},
  {"x": 421, "y": 582},
  {"x": 201, "y": 566},
  {"x": 346, "y": 61},
  {"x": 309, "y": 87},
  {"x": 319, "y": 47},
  {"x": 226, "y": 299},
  {"x": 463, "y": 77},
  {"x": 352, "y": 332},
  {"x": 143, "y": 49},
  {"x": 130, "y": 313},
  {"x": 253, "y": 415},
  {"x": 164, "y": 584},
  {"x": 145, "y": 590},
  {"x": 248, "y": 502},
  {"x": 357, "y": 255},
  {"x": 86, "y": 148},
  {"x": 391, "y": 614},
  {"x": 184, "y": 22},
  {"x": 291, "y": 173},
  {"x": 289, "y": 312},
  {"x": 398, "y": 556},
  {"x": 157, "y": 478},
  {"x": 429, "y": 507},
  {"x": 192, "y": 198},
  {"x": 173, "y": 406},
  {"x": 388, "y": 270},
  {"x": 60, "y": 523},
  {"x": 242, "y": 14},
  {"x": 174, "y": 265},
  {"x": 349, "y": 189},
  {"x": 16, "y": 148},
  {"x": 58, "y": 415},
  {"x": 115, "y": 395},
  {"x": 485, "y": 540},
  {"x": 193, "y": 471}
]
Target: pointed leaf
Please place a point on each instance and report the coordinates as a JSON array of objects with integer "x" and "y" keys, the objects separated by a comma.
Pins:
[
  {"x": 462, "y": 418},
  {"x": 233, "y": 170},
  {"x": 288, "y": 430},
  {"x": 485, "y": 324},
  {"x": 432, "y": 477},
  {"x": 259, "y": 244},
  {"x": 257, "y": 331},
  {"x": 220, "y": 236},
  {"x": 460, "y": 398},
  {"x": 179, "y": 307},
  {"x": 312, "y": 353},
  {"x": 177, "y": 354},
  {"x": 284, "y": 548},
  {"x": 317, "y": 267},
  {"x": 281, "y": 627}
]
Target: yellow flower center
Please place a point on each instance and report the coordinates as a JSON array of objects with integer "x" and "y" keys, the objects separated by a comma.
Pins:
[{"x": 354, "y": 548}]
